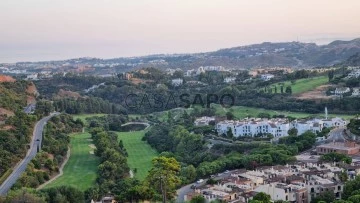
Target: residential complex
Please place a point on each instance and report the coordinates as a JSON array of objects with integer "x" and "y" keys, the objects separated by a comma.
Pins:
[
  {"x": 177, "y": 82},
  {"x": 298, "y": 183},
  {"x": 203, "y": 69},
  {"x": 277, "y": 127},
  {"x": 267, "y": 77},
  {"x": 203, "y": 121}
]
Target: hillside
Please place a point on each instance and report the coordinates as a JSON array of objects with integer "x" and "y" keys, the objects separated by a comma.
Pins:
[
  {"x": 15, "y": 95},
  {"x": 15, "y": 125},
  {"x": 353, "y": 60},
  {"x": 5, "y": 78},
  {"x": 267, "y": 54}
]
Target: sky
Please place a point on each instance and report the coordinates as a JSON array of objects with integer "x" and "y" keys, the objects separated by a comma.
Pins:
[{"x": 33, "y": 30}]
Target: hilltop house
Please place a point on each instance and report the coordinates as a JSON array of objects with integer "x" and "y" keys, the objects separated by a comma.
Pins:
[
  {"x": 267, "y": 77},
  {"x": 229, "y": 79},
  {"x": 203, "y": 121},
  {"x": 356, "y": 92},
  {"x": 341, "y": 90},
  {"x": 354, "y": 74},
  {"x": 177, "y": 82}
]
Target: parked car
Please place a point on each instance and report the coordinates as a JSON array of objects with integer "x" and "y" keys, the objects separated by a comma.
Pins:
[{"x": 200, "y": 181}]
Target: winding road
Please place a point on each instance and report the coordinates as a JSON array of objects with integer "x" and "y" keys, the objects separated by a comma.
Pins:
[
  {"x": 137, "y": 123},
  {"x": 336, "y": 134},
  {"x": 35, "y": 143},
  {"x": 187, "y": 188}
]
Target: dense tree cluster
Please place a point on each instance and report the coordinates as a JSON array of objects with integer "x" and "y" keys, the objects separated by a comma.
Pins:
[
  {"x": 87, "y": 105},
  {"x": 15, "y": 130},
  {"x": 108, "y": 122},
  {"x": 14, "y": 142},
  {"x": 113, "y": 167},
  {"x": 190, "y": 149},
  {"x": 354, "y": 126},
  {"x": 301, "y": 142},
  {"x": 73, "y": 82},
  {"x": 184, "y": 146},
  {"x": 336, "y": 157}
]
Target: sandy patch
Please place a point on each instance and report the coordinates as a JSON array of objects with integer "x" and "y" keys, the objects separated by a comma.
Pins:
[
  {"x": 67, "y": 94},
  {"x": 7, "y": 127},
  {"x": 6, "y": 78},
  {"x": 6, "y": 112},
  {"x": 92, "y": 146},
  {"x": 31, "y": 89},
  {"x": 317, "y": 93},
  {"x": 50, "y": 156},
  {"x": 91, "y": 152},
  {"x": 137, "y": 81},
  {"x": 30, "y": 99}
]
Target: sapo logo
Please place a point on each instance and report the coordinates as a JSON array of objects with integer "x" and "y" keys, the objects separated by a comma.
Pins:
[{"x": 159, "y": 101}]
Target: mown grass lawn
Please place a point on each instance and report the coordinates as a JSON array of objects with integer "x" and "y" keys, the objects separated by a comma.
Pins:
[
  {"x": 243, "y": 112},
  {"x": 81, "y": 169},
  {"x": 140, "y": 152},
  {"x": 307, "y": 84},
  {"x": 301, "y": 85},
  {"x": 84, "y": 116}
]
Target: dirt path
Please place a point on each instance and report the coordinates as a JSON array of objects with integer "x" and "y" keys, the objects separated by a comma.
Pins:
[
  {"x": 318, "y": 93},
  {"x": 60, "y": 171}
]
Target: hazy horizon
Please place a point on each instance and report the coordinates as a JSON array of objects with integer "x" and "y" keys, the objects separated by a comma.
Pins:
[{"x": 41, "y": 30}]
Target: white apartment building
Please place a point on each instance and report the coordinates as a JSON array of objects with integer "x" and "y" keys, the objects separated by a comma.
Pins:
[
  {"x": 267, "y": 77},
  {"x": 341, "y": 90},
  {"x": 177, "y": 82},
  {"x": 229, "y": 79},
  {"x": 203, "y": 121},
  {"x": 189, "y": 73},
  {"x": 203, "y": 69},
  {"x": 316, "y": 125},
  {"x": 33, "y": 76},
  {"x": 354, "y": 74},
  {"x": 277, "y": 127},
  {"x": 254, "y": 127},
  {"x": 356, "y": 92}
]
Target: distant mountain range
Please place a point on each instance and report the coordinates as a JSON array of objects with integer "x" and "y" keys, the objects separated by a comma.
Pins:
[
  {"x": 290, "y": 54},
  {"x": 353, "y": 60},
  {"x": 267, "y": 54}
]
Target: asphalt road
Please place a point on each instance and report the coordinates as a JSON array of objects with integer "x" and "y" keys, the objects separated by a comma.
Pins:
[
  {"x": 29, "y": 108},
  {"x": 337, "y": 135},
  {"x": 20, "y": 168},
  {"x": 140, "y": 123},
  {"x": 187, "y": 188}
]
